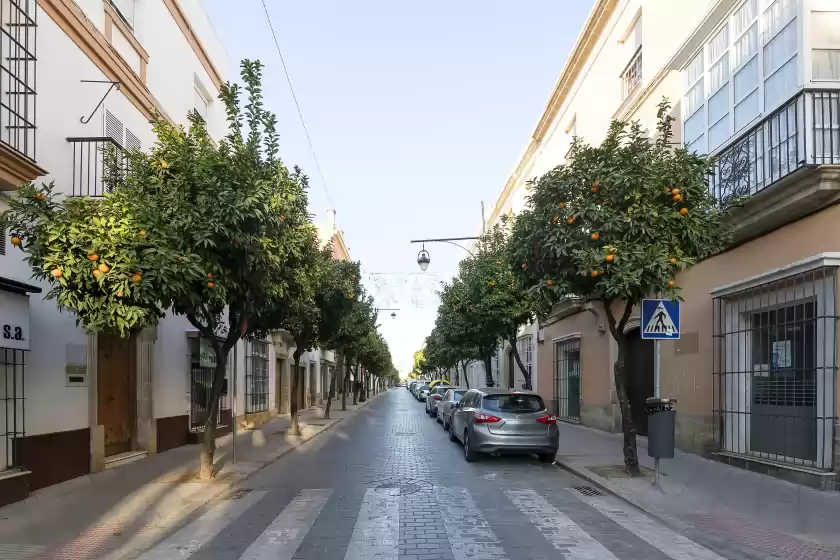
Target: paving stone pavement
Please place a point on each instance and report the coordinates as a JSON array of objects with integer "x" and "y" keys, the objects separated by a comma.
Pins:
[{"x": 387, "y": 484}]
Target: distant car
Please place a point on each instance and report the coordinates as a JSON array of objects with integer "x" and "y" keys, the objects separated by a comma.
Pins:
[
  {"x": 422, "y": 391},
  {"x": 410, "y": 387},
  {"x": 435, "y": 394},
  {"x": 446, "y": 405},
  {"x": 504, "y": 421}
]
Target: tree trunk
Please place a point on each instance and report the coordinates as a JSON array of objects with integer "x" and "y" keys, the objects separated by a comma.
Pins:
[
  {"x": 525, "y": 373},
  {"x": 331, "y": 392},
  {"x": 208, "y": 444},
  {"x": 356, "y": 386},
  {"x": 466, "y": 379},
  {"x": 631, "y": 453},
  {"x": 488, "y": 371},
  {"x": 294, "y": 404},
  {"x": 345, "y": 383}
]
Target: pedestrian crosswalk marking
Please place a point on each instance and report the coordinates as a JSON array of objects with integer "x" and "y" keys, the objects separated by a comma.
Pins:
[
  {"x": 558, "y": 528},
  {"x": 282, "y": 538},
  {"x": 670, "y": 542},
  {"x": 470, "y": 535},
  {"x": 377, "y": 530},
  {"x": 188, "y": 540}
]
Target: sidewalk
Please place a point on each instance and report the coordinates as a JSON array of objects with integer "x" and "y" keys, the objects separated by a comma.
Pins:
[
  {"x": 124, "y": 509},
  {"x": 765, "y": 514}
]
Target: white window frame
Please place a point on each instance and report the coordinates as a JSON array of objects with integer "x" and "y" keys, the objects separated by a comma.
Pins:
[
  {"x": 199, "y": 95},
  {"x": 738, "y": 387},
  {"x": 794, "y": 17},
  {"x": 819, "y": 8},
  {"x": 121, "y": 10}
]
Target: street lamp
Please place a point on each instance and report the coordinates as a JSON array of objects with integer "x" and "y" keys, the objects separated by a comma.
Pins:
[
  {"x": 423, "y": 259},
  {"x": 393, "y": 311}
]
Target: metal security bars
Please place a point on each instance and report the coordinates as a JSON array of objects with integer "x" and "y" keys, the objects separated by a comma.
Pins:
[
  {"x": 805, "y": 131},
  {"x": 631, "y": 77},
  {"x": 202, "y": 371},
  {"x": 98, "y": 163},
  {"x": 18, "y": 26},
  {"x": 775, "y": 371},
  {"x": 12, "y": 407},
  {"x": 256, "y": 377},
  {"x": 567, "y": 379}
]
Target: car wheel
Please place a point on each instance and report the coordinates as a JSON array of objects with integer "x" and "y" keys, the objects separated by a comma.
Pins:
[
  {"x": 452, "y": 436},
  {"x": 469, "y": 454},
  {"x": 546, "y": 457},
  {"x": 439, "y": 420}
]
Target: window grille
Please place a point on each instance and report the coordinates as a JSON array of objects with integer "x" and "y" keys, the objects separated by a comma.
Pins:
[
  {"x": 17, "y": 75},
  {"x": 567, "y": 379},
  {"x": 256, "y": 377},
  {"x": 12, "y": 369}
]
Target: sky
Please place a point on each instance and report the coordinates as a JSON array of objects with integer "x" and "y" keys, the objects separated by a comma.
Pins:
[{"x": 417, "y": 111}]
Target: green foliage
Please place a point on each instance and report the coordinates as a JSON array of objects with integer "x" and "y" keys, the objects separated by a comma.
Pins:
[
  {"x": 619, "y": 220},
  {"x": 419, "y": 364}
]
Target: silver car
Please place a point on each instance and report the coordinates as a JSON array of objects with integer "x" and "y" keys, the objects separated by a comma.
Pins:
[
  {"x": 447, "y": 404},
  {"x": 434, "y": 397},
  {"x": 498, "y": 420},
  {"x": 421, "y": 392}
]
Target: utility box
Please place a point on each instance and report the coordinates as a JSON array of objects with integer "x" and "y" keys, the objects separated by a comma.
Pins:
[{"x": 661, "y": 427}]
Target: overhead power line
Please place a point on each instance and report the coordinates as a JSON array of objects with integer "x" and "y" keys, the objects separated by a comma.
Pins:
[{"x": 297, "y": 105}]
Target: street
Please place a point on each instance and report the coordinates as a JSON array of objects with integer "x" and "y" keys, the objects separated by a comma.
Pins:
[{"x": 387, "y": 483}]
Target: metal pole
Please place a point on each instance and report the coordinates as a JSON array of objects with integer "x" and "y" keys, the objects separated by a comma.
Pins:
[
  {"x": 233, "y": 408},
  {"x": 656, "y": 378}
]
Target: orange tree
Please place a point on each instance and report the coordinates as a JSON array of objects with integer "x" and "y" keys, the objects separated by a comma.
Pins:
[
  {"x": 207, "y": 230},
  {"x": 617, "y": 223},
  {"x": 355, "y": 325}
]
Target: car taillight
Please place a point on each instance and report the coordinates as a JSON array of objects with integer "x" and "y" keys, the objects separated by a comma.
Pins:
[
  {"x": 436, "y": 397},
  {"x": 481, "y": 418},
  {"x": 550, "y": 419}
]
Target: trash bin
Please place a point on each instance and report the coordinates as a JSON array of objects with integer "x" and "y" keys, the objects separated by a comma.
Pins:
[{"x": 661, "y": 427}]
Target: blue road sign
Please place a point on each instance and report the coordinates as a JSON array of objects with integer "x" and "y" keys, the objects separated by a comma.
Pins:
[{"x": 660, "y": 319}]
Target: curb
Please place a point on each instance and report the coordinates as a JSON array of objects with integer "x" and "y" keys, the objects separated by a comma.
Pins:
[{"x": 669, "y": 520}]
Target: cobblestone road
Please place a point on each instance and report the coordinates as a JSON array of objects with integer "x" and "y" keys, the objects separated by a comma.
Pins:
[{"x": 388, "y": 484}]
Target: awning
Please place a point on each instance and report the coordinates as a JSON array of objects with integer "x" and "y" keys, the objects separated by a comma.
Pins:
[{"x": 9, "y": 285}]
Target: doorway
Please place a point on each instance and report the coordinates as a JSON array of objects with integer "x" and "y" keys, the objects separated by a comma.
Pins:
[
  {"x": 282, "y": 388},
  {"x": 640, "y": 360},
  {"x": 116, "y": 389},
  {"x": 511, "y": 371}
]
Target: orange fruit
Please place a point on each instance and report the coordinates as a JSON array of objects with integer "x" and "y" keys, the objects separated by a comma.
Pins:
[
  {"x": 164, "y": 165},
  {"x": 92, "y": 256},
  {"x": 570, "y": 221},
  {"x": 672, "y": 260},
  {"x": 180, "y": 260},
  {"x": 562, "y": 204},
  {"x": 491, "y": 283},
  {"x": 671, "y": 283},
  {"x": 120, "y": 294},
  {"x": 57, "y": 273},
  {"x": 675, "y": 191},
  {"x": 136, "y": 277},
  {"x": 104, "y": 268},
  {"x": 524, "y": 266},
  {"x": 555, "y": 219},
  {"x": 96, "y": 273},
  {"x": 16, "y": 240},
  {"x": 609, "y": 258},
  {"x": 595, "y": 237},
  {"x": 612, "y": 249},
  {"x": 683, "y": 211},
  {"x": 550, "y": 282},
  {"x": 211, "y": 285},
  {"x": 676, "y": 197},
  {"x": 210, "y": 275},
  {"x": 350, "y": 296},
  {"x": 595, "y": 274}
]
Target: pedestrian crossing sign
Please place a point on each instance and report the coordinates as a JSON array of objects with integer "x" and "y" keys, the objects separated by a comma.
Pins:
[{"x": 660, "y": 319}]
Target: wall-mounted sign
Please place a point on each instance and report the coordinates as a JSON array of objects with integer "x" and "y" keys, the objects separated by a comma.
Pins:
[
  {"x": 14, "y": 321},
  {"x": 206, "y": 354}
]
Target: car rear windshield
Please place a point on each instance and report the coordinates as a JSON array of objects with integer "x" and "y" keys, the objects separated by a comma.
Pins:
[
  {"x": 513, "y": 403},
  {"x": 424, "y": 388},
  {"x": 441, "y": 390},
  {"x": 458, "y": 395}
]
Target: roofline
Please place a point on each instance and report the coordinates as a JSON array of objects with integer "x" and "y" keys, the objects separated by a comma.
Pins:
[
  {"x": 592, "y": 30},
  {"x": 17, "y": 287}
]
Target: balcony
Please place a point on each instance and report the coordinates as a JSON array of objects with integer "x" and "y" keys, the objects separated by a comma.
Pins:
[
  {"x": 783, "y": 168},
  {"x": 97, "y": 164},
  {"x": 631, "y": 77}
]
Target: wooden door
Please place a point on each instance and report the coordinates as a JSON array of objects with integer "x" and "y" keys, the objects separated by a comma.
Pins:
[
  {"x": 283, "y": 392},
  {"x": 640, "y": 378},
  {"x": 116, "y": 383}
]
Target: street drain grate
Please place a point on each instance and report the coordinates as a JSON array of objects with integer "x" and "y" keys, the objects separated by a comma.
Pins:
[
  {"x": 236, "y": 494},
  {"x": 403, "y": 487},
  {"x": 587, "y": 491}
]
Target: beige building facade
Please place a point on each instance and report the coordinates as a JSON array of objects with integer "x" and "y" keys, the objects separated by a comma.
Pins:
[{"x": 756, "y": 83}]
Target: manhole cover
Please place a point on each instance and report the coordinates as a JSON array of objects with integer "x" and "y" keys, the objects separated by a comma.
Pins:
[
  {"x": 587, "y": 491},
  {"x": 402, "y": 486}
]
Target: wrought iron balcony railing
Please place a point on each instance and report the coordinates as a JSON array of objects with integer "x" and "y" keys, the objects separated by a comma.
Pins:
[
  {"x": 18, "y": 28},
  {"x": 631, "y": 77},
  {"x": 803, "y": 132},
  {"x": 97, "y": 162}
]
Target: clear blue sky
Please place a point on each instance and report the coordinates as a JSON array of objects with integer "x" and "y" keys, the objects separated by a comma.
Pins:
[{"x": 418, "y": 111}]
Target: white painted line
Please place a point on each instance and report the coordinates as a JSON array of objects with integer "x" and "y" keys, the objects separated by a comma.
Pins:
[
  {"x": 470, "y": 535},
  {"x": 377, "y": 530},
  {"x": 558, "y": 528},
  {"x": 282, "y": 538},
  {"x": 188, "y": 540},
  {"x": 670, "y": 542}
]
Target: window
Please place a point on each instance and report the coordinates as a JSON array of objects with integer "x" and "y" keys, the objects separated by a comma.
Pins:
[
  {"x": 256, "y": 377},
  {"x": 125, "y": 8},
  {"x": 631, "y": 77},
  {"x": 523, "y": 346},
  {"x": 748, "y": 67},
  {"x": 825, "y": 43},
  {"x": 513, "y": 403},
  {"x": 567, "y": 379},
  {"x": 200, "y": 102}
]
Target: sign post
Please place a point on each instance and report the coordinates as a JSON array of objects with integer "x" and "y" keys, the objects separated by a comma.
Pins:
[{"x": 660, "y": 321}]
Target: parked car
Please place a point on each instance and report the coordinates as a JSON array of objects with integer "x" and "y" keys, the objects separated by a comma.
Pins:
[
  {"x": 410, "y": 387},
  {"x": 446, "y": 405},
  {"x": 498, "y": 420},
  {"x": 422, "y": 392},
  {"x": 435, "y": 394}
]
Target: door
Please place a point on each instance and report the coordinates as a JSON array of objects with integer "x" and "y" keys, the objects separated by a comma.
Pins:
[
  {"x": 116, "y": 389},
  {"x": 639, "y": 378},
  {"x": 283, "y": 392}
]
